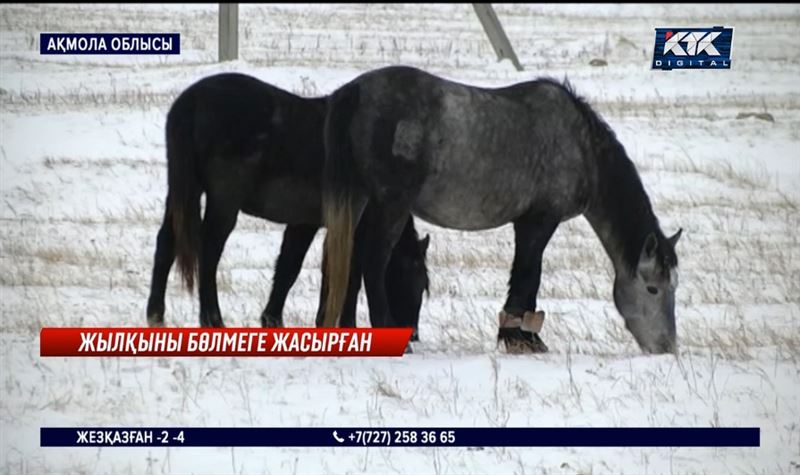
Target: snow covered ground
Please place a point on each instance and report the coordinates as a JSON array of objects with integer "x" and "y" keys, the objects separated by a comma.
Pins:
[{"x": 83, "y": 176}]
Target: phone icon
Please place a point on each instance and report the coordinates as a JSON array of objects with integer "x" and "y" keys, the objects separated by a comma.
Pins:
[{"x": 336, "y": 436}]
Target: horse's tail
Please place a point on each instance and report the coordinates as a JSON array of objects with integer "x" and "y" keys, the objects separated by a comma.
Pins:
[
  {"x": 184, "y": 191},
  {"x": 342, "y": 201}
]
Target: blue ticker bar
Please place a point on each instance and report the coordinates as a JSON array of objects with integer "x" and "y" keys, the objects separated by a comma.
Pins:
[{"x": 400, "y": 437}]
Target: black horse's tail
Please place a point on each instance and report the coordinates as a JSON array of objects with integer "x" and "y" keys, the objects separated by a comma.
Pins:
[
  {"x": 342, "y": 201},
  {"x": 184, "y": 191}
]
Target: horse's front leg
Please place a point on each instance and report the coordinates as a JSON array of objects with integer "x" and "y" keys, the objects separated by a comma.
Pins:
[
  {"x": 296, "y": 241},
  {"x": 519, "y": 321}
]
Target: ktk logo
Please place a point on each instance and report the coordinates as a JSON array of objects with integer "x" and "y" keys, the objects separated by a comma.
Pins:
[
  {"x": 693, "y": 48},
  {"x": 696, "y": 43}
]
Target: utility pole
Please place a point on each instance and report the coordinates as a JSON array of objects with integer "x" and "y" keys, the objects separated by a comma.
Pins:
[{"x": 494, "y": 30}]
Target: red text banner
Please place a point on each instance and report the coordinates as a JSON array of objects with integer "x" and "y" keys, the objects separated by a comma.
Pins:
[{"x": 223, "y": 341}]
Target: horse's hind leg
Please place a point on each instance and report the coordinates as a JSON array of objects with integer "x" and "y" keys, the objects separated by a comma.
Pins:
[
  {"x": 384, "y": 226},
  {"x": 218, "y": 222},
  {"x": 164, "y": 257},
  {"x": 296, "y": 241},
  {"x": 532, "y": 232}
]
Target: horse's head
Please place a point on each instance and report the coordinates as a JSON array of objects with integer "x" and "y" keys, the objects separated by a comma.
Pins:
[
  {"x": 646, "y": 297},
  {"x": 407, "y": 280}
]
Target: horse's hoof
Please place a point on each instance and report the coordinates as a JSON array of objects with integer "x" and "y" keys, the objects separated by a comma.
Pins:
[
  {"x": 268, "y": 321},
  {"x": 212, "y": 323},
  {"x": 518, "y": 342},
  {"x": 155, "y": 320},
  {"x": 521, "y": 334}
]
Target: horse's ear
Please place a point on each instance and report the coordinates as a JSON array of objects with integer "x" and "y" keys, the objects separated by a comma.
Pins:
[
  {"x": 647, "y": 260},
  {"x": 650, "y": 245},
  {"x": 674, "y": 239},
  {"x": 423, "y": 244}
]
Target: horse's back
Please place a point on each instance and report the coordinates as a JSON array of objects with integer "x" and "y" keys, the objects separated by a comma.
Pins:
[
  {"x": 230, "y": 113},
  {"x": 486, "y": 156},
  {"x": 255, "y": 141}
]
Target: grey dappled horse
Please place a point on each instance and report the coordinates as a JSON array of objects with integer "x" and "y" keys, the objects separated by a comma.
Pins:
[{"x": 471, "y": 158}]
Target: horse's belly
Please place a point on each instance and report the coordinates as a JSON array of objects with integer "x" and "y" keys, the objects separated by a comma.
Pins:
[
  {"x": 286, "y": 201},
  {"x": 454, "y": 204}
]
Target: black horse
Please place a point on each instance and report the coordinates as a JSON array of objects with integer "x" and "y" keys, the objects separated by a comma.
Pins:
[
  {"x": 470, "y": 158},
  {"x": 252, "y": 147}
]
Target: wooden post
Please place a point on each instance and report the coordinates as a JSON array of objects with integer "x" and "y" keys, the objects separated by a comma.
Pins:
[
  {"x": 228, "y": 31},
  {"x": 494, "y": 30}
]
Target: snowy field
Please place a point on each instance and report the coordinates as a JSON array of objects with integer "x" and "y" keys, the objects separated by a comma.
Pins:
[{"x": 83, "y": 178}]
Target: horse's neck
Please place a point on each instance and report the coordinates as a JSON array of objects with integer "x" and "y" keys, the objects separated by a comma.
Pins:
[{"x": 620, "y": 212}]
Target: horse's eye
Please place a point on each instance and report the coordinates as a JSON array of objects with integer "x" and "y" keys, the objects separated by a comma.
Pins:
[{"x": 652, "y": 289}]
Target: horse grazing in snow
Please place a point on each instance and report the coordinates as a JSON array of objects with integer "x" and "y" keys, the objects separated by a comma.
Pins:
[{"x": 399, "y": 140}]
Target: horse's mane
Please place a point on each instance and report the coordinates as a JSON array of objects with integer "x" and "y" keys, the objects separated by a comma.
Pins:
[{"x": 623, "y": 195}]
